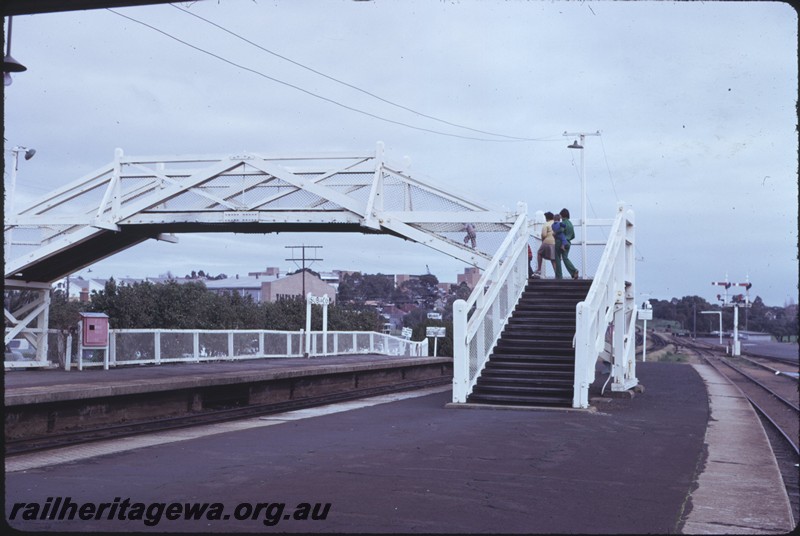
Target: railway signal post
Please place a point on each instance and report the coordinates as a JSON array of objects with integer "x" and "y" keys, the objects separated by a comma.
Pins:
[{"x": 735, "y": 301}]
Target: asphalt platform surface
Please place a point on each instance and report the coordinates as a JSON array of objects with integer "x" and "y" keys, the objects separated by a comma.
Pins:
[{"x": 414, "y": 466}]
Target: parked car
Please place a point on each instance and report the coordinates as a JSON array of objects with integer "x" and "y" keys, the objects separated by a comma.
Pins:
[{"x": 18, "y": 350}]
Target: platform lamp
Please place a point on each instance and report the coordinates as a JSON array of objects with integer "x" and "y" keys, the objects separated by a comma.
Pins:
[
  {"x": 10, "y": 65},
  {"x": 28, "y": 154},
  {"x": 576, "y": 145}
]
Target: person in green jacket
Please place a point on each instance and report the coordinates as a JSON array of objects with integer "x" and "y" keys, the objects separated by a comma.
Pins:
[{"x": 563, "y": 254}]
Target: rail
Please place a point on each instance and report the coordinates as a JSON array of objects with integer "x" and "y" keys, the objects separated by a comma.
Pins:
[
  {"x": 610, "y": 303},
  {"x": 157, "y": 346},
  {"x": 479, "y": 320}
]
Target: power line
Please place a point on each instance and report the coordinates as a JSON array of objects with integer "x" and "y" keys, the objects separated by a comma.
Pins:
[
  {"x": 610, "y": 178},
  {"x": 298, "y": 88},
  {"x": 516, "y": 138}
]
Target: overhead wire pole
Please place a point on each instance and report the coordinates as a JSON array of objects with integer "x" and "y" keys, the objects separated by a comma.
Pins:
[
  {"x": 303, "y": 260},
  {"x": 577, "y": 145}
]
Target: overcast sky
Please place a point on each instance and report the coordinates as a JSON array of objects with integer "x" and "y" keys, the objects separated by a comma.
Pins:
[{"x": 695, "y": 103}]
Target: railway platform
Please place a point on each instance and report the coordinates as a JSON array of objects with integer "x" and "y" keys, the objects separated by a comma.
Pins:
[
  {"x": 684, "y": 456},
  {"x": 42, "y": 402}
]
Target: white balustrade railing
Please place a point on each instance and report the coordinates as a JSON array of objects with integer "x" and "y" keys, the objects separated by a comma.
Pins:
[
  {"x": 156, "y": 346},
  {"x": 609, "y": 306},
  {"x": 479, "y": 320}
]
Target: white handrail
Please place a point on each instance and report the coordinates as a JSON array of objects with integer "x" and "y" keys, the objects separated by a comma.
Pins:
[
  {"x": 610, "y": 302},
  {"x": 493, "y": 299}
]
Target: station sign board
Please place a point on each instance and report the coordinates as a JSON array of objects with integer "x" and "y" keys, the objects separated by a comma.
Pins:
[
  {"x": 645, "y": 314},
  {"x": 434, "y": 316},
  {"x": 433, "y": 331}
]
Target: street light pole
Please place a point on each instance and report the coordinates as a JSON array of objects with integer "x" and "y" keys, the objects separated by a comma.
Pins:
[{"x": 584, "y": 232}]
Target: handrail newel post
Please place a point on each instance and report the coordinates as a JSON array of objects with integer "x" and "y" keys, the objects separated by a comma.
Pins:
[{"x": 460, "y": 352}]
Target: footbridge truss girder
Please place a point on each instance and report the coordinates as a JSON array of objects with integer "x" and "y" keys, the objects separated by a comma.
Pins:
[{"x": 134, "y": 199}]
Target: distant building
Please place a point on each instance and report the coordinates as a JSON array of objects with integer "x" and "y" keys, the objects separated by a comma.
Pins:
[
  {"x": 292, "y": 287},
  {"x": 755, "y": 336},
  {"x": 269, "y": 271},
  {"x": 245, "y": 286},
  {"x": 80, "y": 289},
  {"x": 471, "y": 277},
  {"x": 399, "y": 279},
  {"x": 332, "y": 278}
]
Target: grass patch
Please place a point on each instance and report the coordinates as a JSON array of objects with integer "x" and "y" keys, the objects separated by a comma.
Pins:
[{"x": 673, "y": 357}]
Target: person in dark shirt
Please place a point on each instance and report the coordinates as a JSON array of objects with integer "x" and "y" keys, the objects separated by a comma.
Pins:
[
  {"x": 559, "y": 230},
  {"x": 563, "y": 254}
]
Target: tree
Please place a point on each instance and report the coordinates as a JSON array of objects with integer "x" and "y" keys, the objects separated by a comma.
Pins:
[
  {"x": 421, "y": 291},
  {"x": 64, "y": 314},
  {"x": 356, "y": 288}
]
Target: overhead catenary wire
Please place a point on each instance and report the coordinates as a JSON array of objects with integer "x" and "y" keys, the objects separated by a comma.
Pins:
[
  {"x": 610, "y": 178},
  {"x": 361, "y": 90},
  {"x": 316, "y": 95}
]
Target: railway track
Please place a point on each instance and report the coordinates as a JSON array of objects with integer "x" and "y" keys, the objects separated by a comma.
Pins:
[
  {"x": 89, "y": 435},
  {"x": 775, "y": 399}
]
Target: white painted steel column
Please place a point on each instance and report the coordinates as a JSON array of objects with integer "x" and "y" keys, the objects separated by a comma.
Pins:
[
  {"x": 644, "y": 342},
  {"x": 325, "y": 302},
  {"x": 580, "y": 392},
  {"x": 80, "y": 345},
  {"x": 308, "y": 325},
  {"x": 68, "y": 358},
  {"x": 618, "y": 337},
  {"x": 630, "y": 294},
  {"x": 43, "y": 325},
  {"x": 460, "y": 352},
  {"x": 112, "y": 347}
]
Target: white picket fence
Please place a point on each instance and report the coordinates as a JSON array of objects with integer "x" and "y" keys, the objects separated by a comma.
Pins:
[{"x": 157, "y": 346}]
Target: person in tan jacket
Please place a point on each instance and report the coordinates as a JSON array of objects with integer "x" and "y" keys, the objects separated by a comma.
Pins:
[{"x": 548, "y": 248}]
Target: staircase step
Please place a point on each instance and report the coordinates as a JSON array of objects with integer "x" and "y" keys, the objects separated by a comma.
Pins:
[
  {"x": 566, "y": 351},
  {"x": 507, "y": 400},
  {"x": 530, "y": 336},
  {"x": 522, "y": 381},
  {"x": 517, "y": 357},
  {"x": 528, "y": 366}
]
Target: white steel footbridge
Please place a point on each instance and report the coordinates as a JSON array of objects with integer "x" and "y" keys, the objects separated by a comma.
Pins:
[{"x": 134, "y": 199}]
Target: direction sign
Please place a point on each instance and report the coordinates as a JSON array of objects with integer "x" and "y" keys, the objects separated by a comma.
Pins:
[{"x": 433, "y": 331}]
